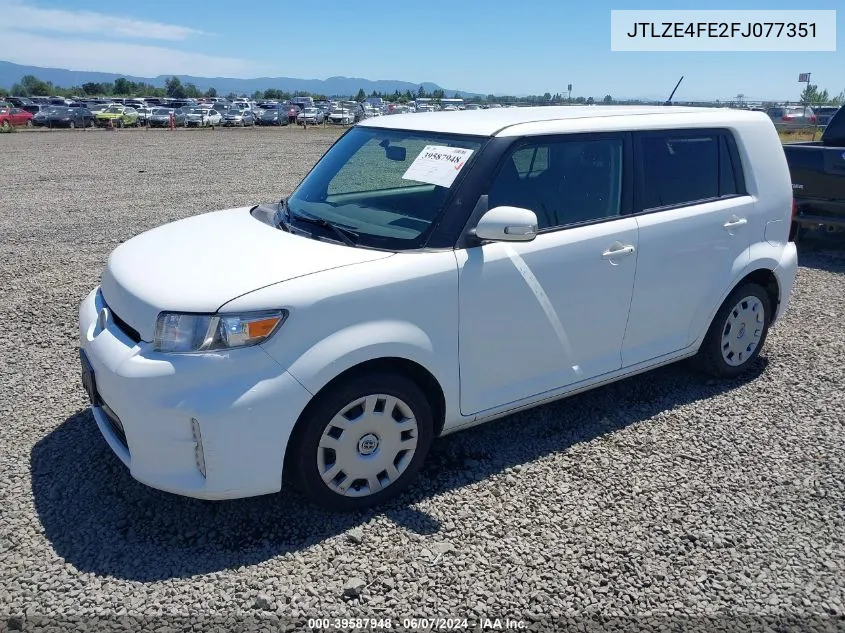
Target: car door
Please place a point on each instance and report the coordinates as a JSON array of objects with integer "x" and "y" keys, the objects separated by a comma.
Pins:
[
  {"x": 537, "y": 316},
  {"x": 18, "y": 117},
  {"x": 695, "y": 223}
]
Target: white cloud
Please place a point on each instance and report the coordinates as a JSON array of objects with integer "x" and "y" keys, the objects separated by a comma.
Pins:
[
  {"x": 119, "y": 57},
  {"x": 24, "y": 17}
]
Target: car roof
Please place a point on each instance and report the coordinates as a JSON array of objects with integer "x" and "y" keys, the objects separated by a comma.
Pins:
[{"x": 504, "y": 121}]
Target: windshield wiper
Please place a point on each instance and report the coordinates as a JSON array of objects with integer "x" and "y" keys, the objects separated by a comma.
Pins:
[
  {"x": 346, "y": 236},
  {"x": 283, "y": 216}
]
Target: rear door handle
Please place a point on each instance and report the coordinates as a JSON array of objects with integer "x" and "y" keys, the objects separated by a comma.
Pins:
[
  {"x": 734, "y": 222},
  {"x": 618, "y": 251}
]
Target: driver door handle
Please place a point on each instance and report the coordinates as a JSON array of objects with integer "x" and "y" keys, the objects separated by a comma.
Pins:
[{"x": 618, "y": 251}]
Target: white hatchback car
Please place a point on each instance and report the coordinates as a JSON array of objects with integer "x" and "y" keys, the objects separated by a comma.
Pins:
[{"x": 431, "y": 273}]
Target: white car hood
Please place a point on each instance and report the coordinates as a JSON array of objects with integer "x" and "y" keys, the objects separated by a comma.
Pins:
[{"x": 202, "y": 262}]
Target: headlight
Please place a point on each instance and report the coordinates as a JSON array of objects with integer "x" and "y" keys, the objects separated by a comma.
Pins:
[{"x": 187, "y": 333}]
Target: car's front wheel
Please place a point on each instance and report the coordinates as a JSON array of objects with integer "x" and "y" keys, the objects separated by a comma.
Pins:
[
  {"x": 362, "y": 441},
  {"x": 737, "y": 333}
]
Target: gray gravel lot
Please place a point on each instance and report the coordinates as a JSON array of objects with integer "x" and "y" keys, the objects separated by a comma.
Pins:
[{"x": 661, "y": 498}]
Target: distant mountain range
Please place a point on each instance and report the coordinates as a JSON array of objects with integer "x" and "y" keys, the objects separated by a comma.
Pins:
[{"x": 12, "y": 73}]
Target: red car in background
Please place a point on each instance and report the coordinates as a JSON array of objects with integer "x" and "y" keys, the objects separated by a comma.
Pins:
[{"x": 11, "y": 116}]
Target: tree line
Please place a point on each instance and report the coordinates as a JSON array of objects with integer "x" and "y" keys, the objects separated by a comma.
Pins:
[{"x": 30, "y": 86}]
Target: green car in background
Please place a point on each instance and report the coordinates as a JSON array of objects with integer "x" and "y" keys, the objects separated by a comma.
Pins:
[{"x": 118, "y": 116}]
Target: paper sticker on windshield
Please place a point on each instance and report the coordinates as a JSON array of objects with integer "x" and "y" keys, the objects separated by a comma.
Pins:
[{"x": 438, "y": 165}]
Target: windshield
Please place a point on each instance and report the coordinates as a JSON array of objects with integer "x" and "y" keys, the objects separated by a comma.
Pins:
[
  {"x": 382, "y": 185},
  {"x": 114, "y": 110}
]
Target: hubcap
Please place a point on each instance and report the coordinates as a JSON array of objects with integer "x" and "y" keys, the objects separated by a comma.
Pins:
[
  {"x": 367, "y": 445},
  {"x": 742, "y": 331}
]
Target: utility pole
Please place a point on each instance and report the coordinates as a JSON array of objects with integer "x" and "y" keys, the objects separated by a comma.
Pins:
[{"x": 569, "y": 90}]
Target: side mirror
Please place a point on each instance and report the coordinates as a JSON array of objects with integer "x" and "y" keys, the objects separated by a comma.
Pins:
[{"x": 507, "y": 224}]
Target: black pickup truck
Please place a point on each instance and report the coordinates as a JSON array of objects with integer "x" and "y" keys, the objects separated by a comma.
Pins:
[{"x": 818, "y": 179}]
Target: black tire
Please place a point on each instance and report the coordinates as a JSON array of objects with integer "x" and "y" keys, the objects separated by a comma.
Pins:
[
  {"x": 6, "y": 125},
  {"x": 72, "y": 125},
  {"x": 304, "y": 446},
  {"x": 710, "y": 358},
  {"x": 120, "y": 123}
]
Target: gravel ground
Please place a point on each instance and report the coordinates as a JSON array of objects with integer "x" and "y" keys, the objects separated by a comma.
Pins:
[{"x": 660, "y": 501}]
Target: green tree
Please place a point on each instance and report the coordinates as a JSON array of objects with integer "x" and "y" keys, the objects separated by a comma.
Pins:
[
  {"x": 92, "y": 88},
  {"x": 812, "y": 95},
  {"x": 838, "y": 99},
  {"x": 30, "y": 86},
  {"x": 607, "y": 99},
  {"x": 211, "y": 92},
  {"x": 361, "y": 95},
  {"x": 174, "y": 88},
  {"x": 121, "y": 86},
  {"x": 421, "y": 92}
]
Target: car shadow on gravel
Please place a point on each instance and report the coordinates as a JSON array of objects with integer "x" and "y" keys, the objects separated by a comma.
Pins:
[
  {"x": 102, "y": 521},
  {"x": 823, "y": 252}
]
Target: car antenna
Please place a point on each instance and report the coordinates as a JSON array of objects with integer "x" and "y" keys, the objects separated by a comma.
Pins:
[{"x": 669, "y": 100}]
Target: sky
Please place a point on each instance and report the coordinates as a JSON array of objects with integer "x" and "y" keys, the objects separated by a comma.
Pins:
[{"x": 481, "y": 46}]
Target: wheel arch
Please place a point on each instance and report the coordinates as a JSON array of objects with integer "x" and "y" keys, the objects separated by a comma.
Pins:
[
  {"x": 762, "y": 274},
  {"x": 410, "y": 369}
]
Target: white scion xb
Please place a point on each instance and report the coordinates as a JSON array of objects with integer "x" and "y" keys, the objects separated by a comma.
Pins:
[{"x": 430, "y": 273}]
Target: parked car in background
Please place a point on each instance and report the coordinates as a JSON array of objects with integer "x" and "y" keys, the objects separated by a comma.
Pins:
[
  {"x": 118, "y": 116},
  {"x": 793, "y": 115},
  {"x": 201, "y": 117},
  {"x": 160, "y": 117},
  {"x": 143, "y": 113},
  {"x": 272, "y": 116},
  {"x": 13, "y": 116},
  {"x": 817, "y": 170},
  {"x": 63, "y": 116},
  {"x": 341, "y": 115},
  {"x": 472, "y": 106},
  {"x": 238, "y": 117},
  {"x": 34, "y": 108},
  {"x": 311, "y": 116},
  {"x": 292, "y": 111},
  {"x": 20, "y": 102},
  {"x": 825, "y": 113}
]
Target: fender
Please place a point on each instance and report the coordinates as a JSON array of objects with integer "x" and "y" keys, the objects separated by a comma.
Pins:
[{"x": 362, "y": 342}]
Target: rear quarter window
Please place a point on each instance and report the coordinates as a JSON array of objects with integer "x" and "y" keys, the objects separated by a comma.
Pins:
[{"x": 683, "y": 167}]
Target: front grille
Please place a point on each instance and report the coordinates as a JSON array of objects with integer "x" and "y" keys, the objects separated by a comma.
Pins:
[
  {"x": 127, "y": 329},
  {"x": 115, "y": 424}
]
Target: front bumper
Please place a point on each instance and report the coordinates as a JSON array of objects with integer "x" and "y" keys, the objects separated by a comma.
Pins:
[{"x": 246, "y": 405}]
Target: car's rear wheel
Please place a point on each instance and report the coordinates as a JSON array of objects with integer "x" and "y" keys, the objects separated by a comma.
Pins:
[
  {"x": 737, "y": 333},
  {"x": 6, "y": 125},
  {"x": 29, "y": 123},
  {"x": 362, "y": 441}
]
